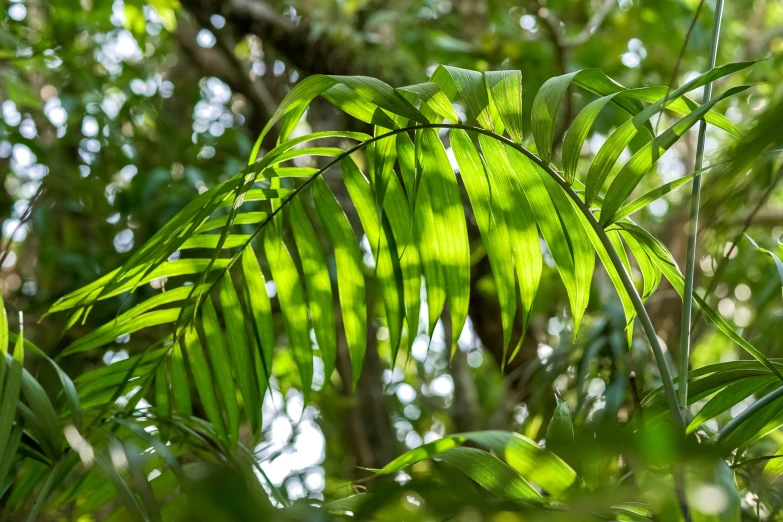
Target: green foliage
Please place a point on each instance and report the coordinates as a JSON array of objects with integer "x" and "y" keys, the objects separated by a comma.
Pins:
[
  {"x": 260, "y": 284},
  {"x": 515, "y": 194}
]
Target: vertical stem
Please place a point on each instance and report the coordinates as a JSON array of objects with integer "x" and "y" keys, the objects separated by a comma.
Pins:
[
  {"x": 693, "y": 226},
  {"x": 641, "y": 312}
]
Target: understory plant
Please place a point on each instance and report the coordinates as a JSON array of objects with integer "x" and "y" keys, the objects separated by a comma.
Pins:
[{"x": 189, "y": 407}]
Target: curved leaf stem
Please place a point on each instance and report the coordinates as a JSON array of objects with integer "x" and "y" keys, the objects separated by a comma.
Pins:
[
  {"x": 644, "y": 318},
  {"x": 754, "y": 460},
  {"x": 642, "y": 315},
  {"x": 749, "y": 411},
  {"x": 693, "y": 226}
]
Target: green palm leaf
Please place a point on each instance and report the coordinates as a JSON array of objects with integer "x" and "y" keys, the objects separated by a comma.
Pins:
[
  {"x": 448, "y": 227},
  {"x": 350, "y": 286},
  {"x": 415, "y": 225},
  {"x": 491, "y": 221},
  {"x": 384, "y": 250},
  {"x": 292, "y": 305},
  {"x": 221, "y": 364}
]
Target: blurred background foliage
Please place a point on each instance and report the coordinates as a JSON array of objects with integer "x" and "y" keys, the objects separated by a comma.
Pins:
[{"x": 115, "y": 114}]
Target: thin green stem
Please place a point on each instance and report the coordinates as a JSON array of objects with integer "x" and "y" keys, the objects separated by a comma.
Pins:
[
  {"x": 40, "y": 499},
  {"x": 749, "y": 412},
  {"x": 693, "y": 227},
  {"x": 763, "y": 458},
  {"x": 641, "y": 312}
]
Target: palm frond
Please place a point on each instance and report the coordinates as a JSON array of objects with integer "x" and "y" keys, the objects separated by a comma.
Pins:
[{"x": 230, "y": 244}]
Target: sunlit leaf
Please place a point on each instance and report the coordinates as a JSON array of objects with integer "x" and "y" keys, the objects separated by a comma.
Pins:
[
  {"x": 318, "y": 285},
  {"x": 239, "y": 348},
  {"x": 292, "y": 304},
  {"x": 449, "y": 227},
  {"x": 350, "y": 280}
]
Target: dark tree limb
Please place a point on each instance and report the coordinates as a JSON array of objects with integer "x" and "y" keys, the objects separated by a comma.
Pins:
[
  {"x": 221, "y": 62},
  {"x": 296, "y": 42}
]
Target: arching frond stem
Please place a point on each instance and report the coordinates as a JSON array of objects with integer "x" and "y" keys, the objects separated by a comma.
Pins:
[
  {"x": 644, "y": 318},
  {"x": 748, "y": 412}
]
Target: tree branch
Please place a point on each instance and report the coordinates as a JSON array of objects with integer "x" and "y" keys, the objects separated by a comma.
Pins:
[
  {"x": 28, "y": 213},
  {"x": 555, "y": 26},
  {"x": 592, "y": 25},
  {"x": 222, "y": 63},
  {"x": 295, "y": 41}
]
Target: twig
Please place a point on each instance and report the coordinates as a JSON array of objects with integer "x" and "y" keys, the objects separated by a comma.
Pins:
[
  {"x": 28, "y": 212},
  {"x": 255, "y": 90},
  {"x": 770, "y": 218},
  {"x": 679, "y": 62},
  {"x": 592, "y": 25},
  {"x": 555, "y": 25},
  {"x": 763, "y": 458},
  {"x": 221, "y": 62},
  {"x": 745, "y": 226}
]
